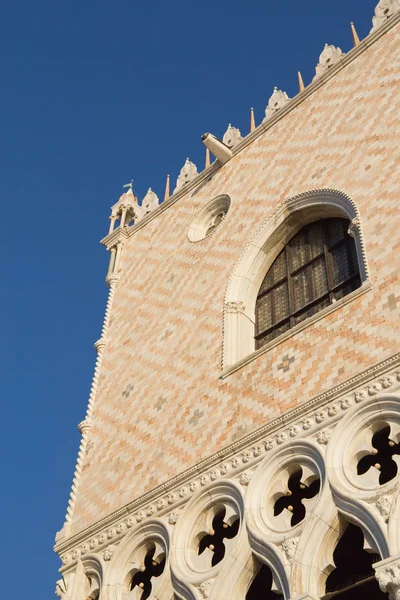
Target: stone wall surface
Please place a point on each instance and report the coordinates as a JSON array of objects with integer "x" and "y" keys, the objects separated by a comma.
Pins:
[{"x": 161, "y": 404}]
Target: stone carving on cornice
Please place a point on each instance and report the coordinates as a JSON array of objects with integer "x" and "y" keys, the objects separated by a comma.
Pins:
[
  {"x": 387, "y": 573},
  {"x": 100, "y": 344},
  {"x": 328, "y": 57},
  {"x": 206, "y": 587},
  {"x": 276, "y": 101},
  {"x": 150, "y": 202},
  {"x": 383, "y": 11},
  {"x": 309, "y": 422},
  {"x": 187, "y": 174},
  {"x": 232, "y": 136}
]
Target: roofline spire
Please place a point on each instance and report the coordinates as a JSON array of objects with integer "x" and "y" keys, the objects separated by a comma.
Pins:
[
  {"x": 356, "y": 39},
  {"x": 301, "y": 82},
  {"x": 167, "y": 187},
  {"x": 252, "y": 120}
]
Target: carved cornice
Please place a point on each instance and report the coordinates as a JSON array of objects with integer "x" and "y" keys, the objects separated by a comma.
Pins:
[{"x": 308, "y": 419}]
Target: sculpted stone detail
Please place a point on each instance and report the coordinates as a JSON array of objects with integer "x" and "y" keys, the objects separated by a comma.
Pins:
[
  {"x": 188, "y": 172},
  {"x": 383, "y": 11},
  {"x": 324, "y": 436},
  {"x": 173, "y": 517},
  {"x": 276, "y": 101},
  {"x": 206, "y": 587},
  {"x": 354, "y": 227},
  {"x": 289, "y": 547},
  {"x": 328, "y": 57},
  {"x": 245, "y": 477},
  {"x": 150, "y": 202},
  {"x": 108, "y": 553},
  {"x": 388, "y": 576},
  {"x": 235, "y": 308},
  {"x": 383, "y": 504},
  {"x": 61, "y": 588},
  {"x": 232, "y": 136}
]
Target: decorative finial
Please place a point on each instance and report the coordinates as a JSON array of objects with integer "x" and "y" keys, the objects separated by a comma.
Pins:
[
  {"x": 252, "y": 120},
  {"x": 275, "y": 103},
  {"x": 301, "y": 82},
  {"x": 188, "y": 172},
  {"x": 166, "y": 195},
  {"x": 208, "y": 160},
  {"x": 356, "y": 39},
  {"x": 329, "y": 57},
  {"x": 232, "y": 136},
  {"x": 129, "y": 185},
  {"x": 383, "y": 11}
]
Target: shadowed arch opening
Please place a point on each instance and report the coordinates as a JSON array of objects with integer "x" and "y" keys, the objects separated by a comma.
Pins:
[
  {"x": 354, "y": 576},
  {"x": 261, "y": 586}
]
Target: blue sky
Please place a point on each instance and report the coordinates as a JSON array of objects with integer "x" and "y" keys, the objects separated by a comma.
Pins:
[{"x": 94, "y": 93}]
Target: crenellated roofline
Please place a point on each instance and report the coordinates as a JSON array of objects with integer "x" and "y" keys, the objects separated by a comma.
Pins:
[{"x": 343, "y": 60}]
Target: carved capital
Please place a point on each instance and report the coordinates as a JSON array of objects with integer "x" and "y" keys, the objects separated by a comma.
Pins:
[
  {"x": 100, "y": 344},
  {"x": 84, "y": 426},
  {"x": 206, "y": 587},
  {"x": 112, "y": 278},
  {"x": 354, "y": 228},
  {"x": 234, "y": 308},
  {"x": 387, "y": 573}
]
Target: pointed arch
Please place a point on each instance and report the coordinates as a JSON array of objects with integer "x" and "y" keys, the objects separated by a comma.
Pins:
[{"x": 262, "y": 249}]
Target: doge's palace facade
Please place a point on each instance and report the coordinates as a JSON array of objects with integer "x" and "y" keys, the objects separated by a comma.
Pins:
[{"x": 242, "y": 436}]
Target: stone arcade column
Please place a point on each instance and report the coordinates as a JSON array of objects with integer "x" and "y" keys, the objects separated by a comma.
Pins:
[{"x": 387, "y": 573}]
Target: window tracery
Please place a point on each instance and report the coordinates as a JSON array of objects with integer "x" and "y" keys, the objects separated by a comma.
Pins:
[
  {"x": 381, "y": 456},
  {"x": 315, "y": 269},
  {"x": 296, "y": 494},
  {"x": 152, "y": 567},
  {"x": 214, "y": 540}
]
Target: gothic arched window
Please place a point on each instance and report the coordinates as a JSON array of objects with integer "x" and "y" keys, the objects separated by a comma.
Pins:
[{"x": 316, "y": 268}]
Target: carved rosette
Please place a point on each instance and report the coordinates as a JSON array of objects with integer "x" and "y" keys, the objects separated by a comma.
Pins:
[
  {"x": 232, "y": 136},
  {"x": 328, "y": 57},
  {"x": 276, "y": 102}
]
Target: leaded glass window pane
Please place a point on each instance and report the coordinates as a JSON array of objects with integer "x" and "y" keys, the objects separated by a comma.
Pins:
[{"x": 317, "y": 267}]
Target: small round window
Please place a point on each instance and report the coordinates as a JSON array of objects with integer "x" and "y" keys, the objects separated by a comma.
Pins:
[{"x": 209, "y": 218}]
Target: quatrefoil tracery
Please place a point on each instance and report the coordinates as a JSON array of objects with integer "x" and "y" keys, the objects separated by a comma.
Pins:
[
  {"x": 301, "y": 489},
  {"x": 220, "y": 530},
  {"x": 378, "y": 464},
  {"x": 152, "y": 567}
]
